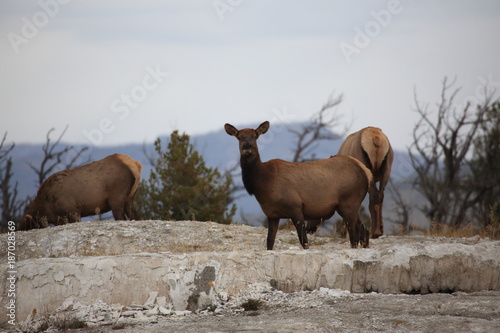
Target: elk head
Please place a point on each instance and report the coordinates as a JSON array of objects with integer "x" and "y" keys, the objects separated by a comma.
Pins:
[{"x": 247, "y": 138}]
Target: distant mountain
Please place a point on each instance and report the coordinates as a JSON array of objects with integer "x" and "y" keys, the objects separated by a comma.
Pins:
[{"x": 221, "y": 151}]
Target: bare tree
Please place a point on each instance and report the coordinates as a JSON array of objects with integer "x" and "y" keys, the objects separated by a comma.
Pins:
[
  {"x": 309, "y": 134},
  {"x": 439, "y": 156},
  {"x": 318, "y": 128},
  {"x": 4, "y": 152},
  {"x": 236, "y": 187},
  {"x": 53, "y": 158},
  {"x": 11, "y": 207},
  {"x": 149, "y": 155},
  {"x": 485, "y": 168},
  {"x": 402, "y": 209}
]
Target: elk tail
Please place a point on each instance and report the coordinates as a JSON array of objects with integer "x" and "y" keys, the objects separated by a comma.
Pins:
[
  {"x": 376, "y": 146},
  {"x": 137, "y": 176}
]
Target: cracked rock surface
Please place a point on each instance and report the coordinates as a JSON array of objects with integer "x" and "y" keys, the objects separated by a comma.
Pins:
[{"x": 163, "y": 276}]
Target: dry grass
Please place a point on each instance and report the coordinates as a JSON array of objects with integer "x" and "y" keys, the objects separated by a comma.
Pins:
[
  {"x": 179, "y": 247},
  {"x": 490, "y": 230},
  {"x": 64, "y": 322},
  {"x": 53, "y": 322},
  {"x": 288, "y": 225},
  {"x": 435, "y": 230},
  {"x": 443, "y": 230},
  {"x": 469, "y": 230},
  {"x": 252, "y": 304}
]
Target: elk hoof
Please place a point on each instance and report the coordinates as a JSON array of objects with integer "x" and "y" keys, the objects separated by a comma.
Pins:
[{"x": 306, "y": 246}]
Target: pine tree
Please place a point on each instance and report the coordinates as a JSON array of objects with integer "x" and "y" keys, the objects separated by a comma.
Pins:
[{"x": 182, "y": 187}]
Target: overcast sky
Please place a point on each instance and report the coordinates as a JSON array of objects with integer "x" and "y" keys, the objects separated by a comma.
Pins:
[{"x": 128, "y": 71}]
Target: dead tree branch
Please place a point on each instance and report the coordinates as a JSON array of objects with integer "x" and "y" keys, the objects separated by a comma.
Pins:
[
  {"x": 403, "y": 208},
  {"x": 53, "y": 159},
  {"x": 11, "y": 207},
  {"x": 439, "y": 153},
  {"x": 319, "y": 128}
]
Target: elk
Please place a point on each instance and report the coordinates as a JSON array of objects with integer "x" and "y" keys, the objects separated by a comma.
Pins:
[
  {"x": 98, "y": 187},
  {"x": 312, "y": 190},
  {"x": 372, "y": 148}
]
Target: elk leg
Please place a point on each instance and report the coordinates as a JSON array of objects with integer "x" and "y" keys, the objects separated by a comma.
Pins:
[
  {"x": 364, "y": 234},
  {"x": 381, "y": 204},
  {"x": 272, "y": 229},
  {"x": 351, "y": 220},
  {"x": 312, "y": 226},
  {"x": 375, "y": 206},
  {"x": 74, "y": 217},
  {"x": 118, "y": 211},
  {"x": 353, "y": 233},
  {"x": 300, "y": 225},
  {"x": 131, "y": 212},
  {"x": 135, "y": 215}
]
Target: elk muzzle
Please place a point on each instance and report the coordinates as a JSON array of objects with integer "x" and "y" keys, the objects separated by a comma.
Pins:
[{"x": 246, "y": 149}]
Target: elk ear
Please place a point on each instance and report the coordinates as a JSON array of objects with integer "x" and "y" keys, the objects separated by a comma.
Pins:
[
  {"x": 262, "y": 128},
  {"x": 231, "y": 130}
]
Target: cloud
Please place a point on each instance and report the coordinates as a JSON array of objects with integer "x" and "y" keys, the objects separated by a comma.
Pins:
[{"x": 261, "y": 57}]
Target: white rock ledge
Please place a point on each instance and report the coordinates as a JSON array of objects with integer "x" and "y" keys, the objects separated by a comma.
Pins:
[{"x": 191, "y": 281}]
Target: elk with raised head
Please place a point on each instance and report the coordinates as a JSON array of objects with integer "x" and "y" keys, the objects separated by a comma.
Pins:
[
  {"x": 372, "y": 148},
  {"x": 303, "y": 191},
  {"x": 98, "y": 187}
]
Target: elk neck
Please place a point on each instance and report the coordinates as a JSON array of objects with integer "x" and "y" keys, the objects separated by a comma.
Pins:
[{"x": 251, "y": 171}]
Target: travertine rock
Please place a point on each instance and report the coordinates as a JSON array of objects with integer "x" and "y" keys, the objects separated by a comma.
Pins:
[{"x": 193, "y": 281}]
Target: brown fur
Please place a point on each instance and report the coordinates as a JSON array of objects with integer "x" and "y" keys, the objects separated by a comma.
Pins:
[
  {"x": 301, "y": 191},
  {"x": 98, "y": 187},
  {"x": 371, "y": 146}
]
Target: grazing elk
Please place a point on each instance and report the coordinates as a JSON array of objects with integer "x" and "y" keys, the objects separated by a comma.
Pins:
[
  {"x": 301, "y": 191},
  {"x": 371, "y": 146},
  {"x": 98, "y": 187}
]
